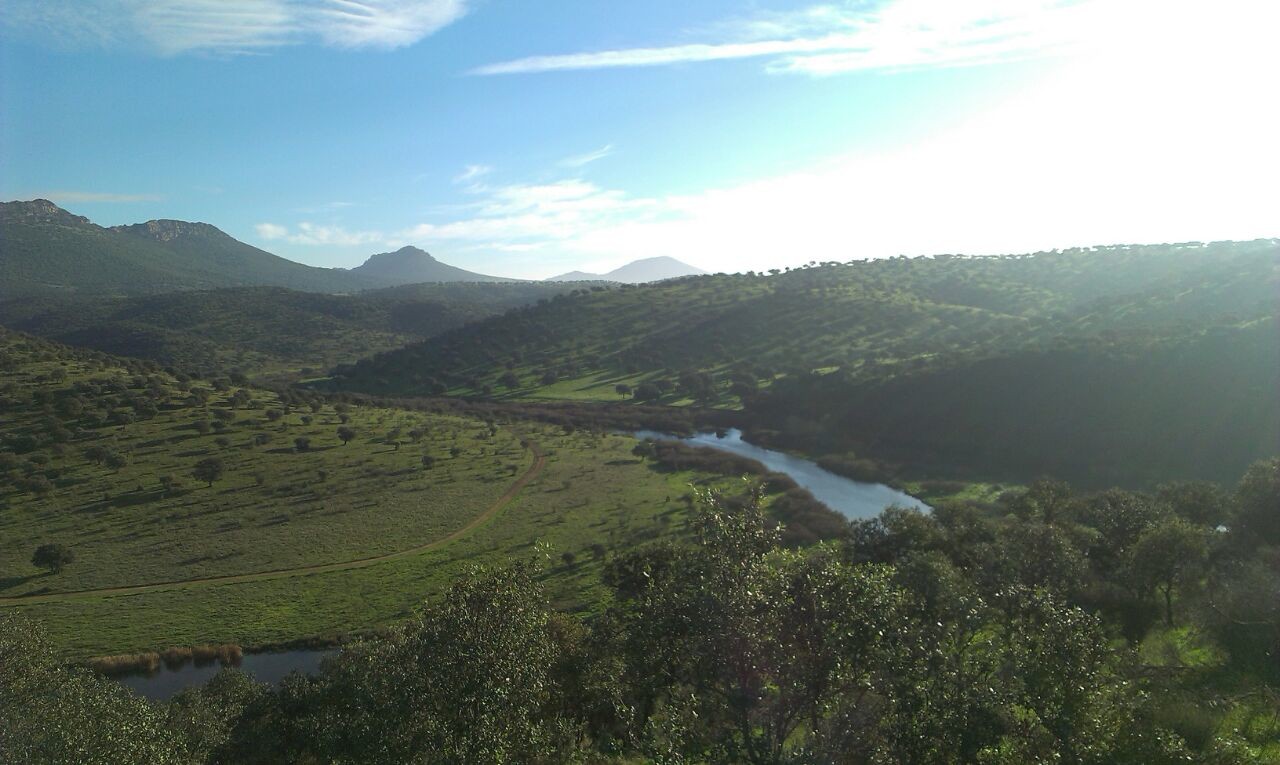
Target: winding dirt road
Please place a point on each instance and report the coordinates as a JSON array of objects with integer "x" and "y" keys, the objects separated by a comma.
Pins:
[{"x": 539, "y": 461}]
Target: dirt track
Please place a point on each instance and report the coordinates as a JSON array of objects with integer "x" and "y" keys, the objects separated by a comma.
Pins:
[{"x": 539, "y": 461}]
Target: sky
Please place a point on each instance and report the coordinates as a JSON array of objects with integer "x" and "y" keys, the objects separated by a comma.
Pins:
[{"x": 531, "y": 138}]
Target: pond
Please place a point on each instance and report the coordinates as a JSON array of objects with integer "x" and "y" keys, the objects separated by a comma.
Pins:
[
  {"x": 264, "y": 667},
  {"x": 852, "y": 499}
]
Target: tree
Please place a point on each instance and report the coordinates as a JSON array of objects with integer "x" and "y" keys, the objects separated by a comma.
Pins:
[
  {"x": 208, "y": 470},
  {"x": 469, "y": 680},
  {"x": 53, "y": 556},
  {"x": 53, "y": 712},
  {"x": 428, "y": 462},
  {"x": 734, "y": 646},
  {"x": 647, "y": 391},
  {"x": 115, "y": 460},
  {"x": 645, "y": 449},
  {"x": 168, "y": 483},
  {"x": 36, "y": 484},
  {"x": 346, "y": 434},
  {"x": 1202, "y": 503},
  {"x": 301, "y": 443},
  {"x": 1258, "y": 501},
  {"x": 622, "y": 389},
  {"x": 1166, "y": 556}
]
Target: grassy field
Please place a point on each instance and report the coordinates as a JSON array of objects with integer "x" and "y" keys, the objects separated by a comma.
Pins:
[
  {"x": 598, "y": 385},
  {"x": 111, "y": 476},
  {"x": 591, "y": 493},
  {"x": 149, "y": 520}
]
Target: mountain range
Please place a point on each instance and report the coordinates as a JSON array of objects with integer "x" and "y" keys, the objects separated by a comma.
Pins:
[
  {"x": 636, "y": 272},
  {"x": 48, "y": 251}
]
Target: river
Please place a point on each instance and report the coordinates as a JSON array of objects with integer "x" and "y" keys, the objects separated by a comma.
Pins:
[{"x": 852, "y": 499}]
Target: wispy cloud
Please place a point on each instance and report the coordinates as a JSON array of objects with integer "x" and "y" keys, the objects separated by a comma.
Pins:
[
  {"x": 854, "y": 36},
  {"x": 471, "y": 173},
  {"x": 95, "y": 196},
  {"x": 306, "y": 233},
  {"x": 171, "y": 27},
  {"x": 580, "y": 160}
]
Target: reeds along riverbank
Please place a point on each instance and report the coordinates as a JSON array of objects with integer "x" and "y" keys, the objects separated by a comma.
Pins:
[
  {"x": 148, "y": 662},
  {"x": 229, "y": 654}
]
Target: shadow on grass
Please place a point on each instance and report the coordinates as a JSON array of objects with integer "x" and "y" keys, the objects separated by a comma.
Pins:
[{"x": 9, "y": 582}]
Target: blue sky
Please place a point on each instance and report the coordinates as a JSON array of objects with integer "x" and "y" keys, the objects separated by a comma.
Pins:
[{"x": 527, "y": 139}]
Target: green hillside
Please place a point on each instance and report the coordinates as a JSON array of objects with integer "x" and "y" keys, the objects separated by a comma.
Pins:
[
  {"x": 728, "y": 340},
  {"x": 872, "y": 318},
  {"x": 264, "y": 332},
  {"x": 1201, "y": 408}
]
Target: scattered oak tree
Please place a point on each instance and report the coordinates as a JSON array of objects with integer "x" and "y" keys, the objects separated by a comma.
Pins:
[
  {"x": 53, "y": 556},
  {"x": 208, "y": 470}
]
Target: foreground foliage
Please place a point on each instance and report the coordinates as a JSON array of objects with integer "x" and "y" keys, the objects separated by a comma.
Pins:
[{"x": 1009, "y": 634}]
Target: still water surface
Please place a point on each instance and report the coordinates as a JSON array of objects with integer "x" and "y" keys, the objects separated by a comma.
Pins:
[
  {"x": 264, "y": 667},
  {"x": 850, "y": 498}
]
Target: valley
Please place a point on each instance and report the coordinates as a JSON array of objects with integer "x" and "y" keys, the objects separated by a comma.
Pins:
[
  {"x": 213, "y": 473},
  {"x": 845, "y": 382}
]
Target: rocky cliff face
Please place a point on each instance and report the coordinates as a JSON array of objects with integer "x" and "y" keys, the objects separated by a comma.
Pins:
[
  {"x": 37, "y": 211},
  {"x": 168, "y": 230}
]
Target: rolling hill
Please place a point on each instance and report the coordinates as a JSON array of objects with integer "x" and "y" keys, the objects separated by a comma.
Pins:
[
  {"x": 735, "y": 340},
  {"x": 265, "y": 332}
]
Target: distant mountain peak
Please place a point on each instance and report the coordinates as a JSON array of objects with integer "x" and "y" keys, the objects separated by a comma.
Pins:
[
  {"x": 37, "y": 211},
  {"x": 166, "y": 230},
  {"x": 654, "y": 269},
  {"x": 413, "y": 265},
  {"x": 406, "y": 254}
]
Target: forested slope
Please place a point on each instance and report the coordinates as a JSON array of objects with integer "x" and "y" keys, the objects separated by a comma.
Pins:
[
  {"x": 1119, "y": 364},
  {"x": 869, "y": 318},
  {"x": 264, "y": 331}
]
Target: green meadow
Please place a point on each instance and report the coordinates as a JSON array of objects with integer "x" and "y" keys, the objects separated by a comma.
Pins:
[{"x": 105, "y": 464}]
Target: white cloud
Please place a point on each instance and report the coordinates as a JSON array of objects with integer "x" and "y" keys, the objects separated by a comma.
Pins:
[
  {"x": 171, "y": 27},
  {"x": 313, "y": 234},
  {"x": 271, "y": 231},
  {"x": 581, "y": 160},
  {"x": 850, "y": 36}
]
